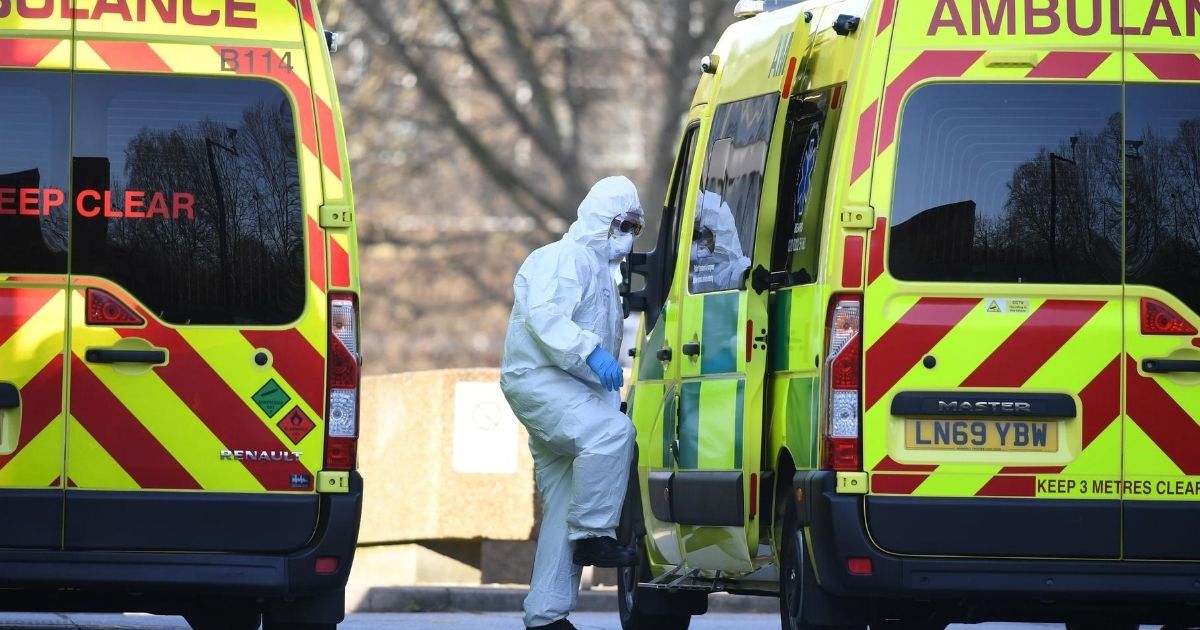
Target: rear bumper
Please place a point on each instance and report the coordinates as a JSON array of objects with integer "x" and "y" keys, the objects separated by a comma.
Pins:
[
  {"x": 837, "y": 532},
  {"x": 234, "y": 575}
]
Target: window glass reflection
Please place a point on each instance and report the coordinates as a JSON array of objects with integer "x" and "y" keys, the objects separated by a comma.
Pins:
[
  {"x": 1009, "y": 183},
  {"x": 33, "y": 172},
  {"x": 186, "y": 192},
  {"x": 1162, "y": 194},
  {"x": 731, "y": 189}
]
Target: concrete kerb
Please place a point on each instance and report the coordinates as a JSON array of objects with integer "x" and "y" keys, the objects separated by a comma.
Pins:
[{"x": 509, "y": 599}]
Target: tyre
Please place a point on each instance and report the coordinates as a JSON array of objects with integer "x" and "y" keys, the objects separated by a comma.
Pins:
[
  {"x": 632, "y": 600},
  {"x": 796, "y": 580}
]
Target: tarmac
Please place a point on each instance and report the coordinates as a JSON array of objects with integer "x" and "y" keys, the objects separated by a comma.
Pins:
[{"x": 508, "y": 598}]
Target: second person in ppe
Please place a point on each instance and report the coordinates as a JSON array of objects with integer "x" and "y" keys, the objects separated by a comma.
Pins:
[{"x": 561, "y": 377}]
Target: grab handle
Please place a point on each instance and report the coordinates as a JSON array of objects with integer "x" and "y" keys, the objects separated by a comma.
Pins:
[
  {"x": 10, "y": 398},
  {"x": 1166, "y": 366},
  {"x": 108, "y": 355}
]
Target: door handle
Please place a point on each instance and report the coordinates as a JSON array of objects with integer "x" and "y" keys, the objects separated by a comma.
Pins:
[
  {"x": 691, "y": 348},
  {"x": 108, "y": 355},
  {"x": 1164, "y": 366},
  {"x": 10, "y": 398},
  {"x": 664, "y": 354}
]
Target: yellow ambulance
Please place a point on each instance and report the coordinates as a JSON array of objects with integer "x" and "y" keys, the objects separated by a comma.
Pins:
[
  {"x": 179, "y": 358},
  {"x": 919, "y": 333}
]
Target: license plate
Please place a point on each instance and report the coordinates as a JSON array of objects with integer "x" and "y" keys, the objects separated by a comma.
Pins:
[{"x": 981, "y": 435}]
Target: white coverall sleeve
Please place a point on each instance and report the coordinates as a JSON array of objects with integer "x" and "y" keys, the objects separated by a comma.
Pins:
[{"x": 552, "y": 299}]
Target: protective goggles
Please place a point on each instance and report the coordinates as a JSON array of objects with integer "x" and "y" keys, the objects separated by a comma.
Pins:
[{"x": 626, "y": 223}]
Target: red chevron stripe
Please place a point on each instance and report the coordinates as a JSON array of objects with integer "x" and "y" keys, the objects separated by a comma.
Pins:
[
  {"x": 25, "y": 53},
  {"x": 1172, "y": 66},
  {"x": 225, "y": 413},
  {"x": 852, "y": 262},
  {"x": 329, "y": 144},
  {"x": 1032, "y": 344},
  {"x": 316, "y": 253},
  {"x": 931, "y": 63},
  {"x": 886, "y": 17},
  {"x": 862, "y": 144},
  {"x": 1101, "y": 401},
  {"x": 887, "y": 464},
  {"x": 129, "y": 56},
  {"x": 296, "y": 361},
  {"x": 306, "y": 12},
  {"x": 41, "y": 399},
  {"x": 339, "y": 264},
  {"x": 18, "y": 305},
  {"x": 1068, "y": 65},
  {"x": 898, "y": 483},
  {"x": 875, "y": 257},
  {"x": 903, "y": 345},
  {"x": 1168, "y": 425},
  {"x": 1009, "y": 486},
  {"x": 122, "y": 435}
]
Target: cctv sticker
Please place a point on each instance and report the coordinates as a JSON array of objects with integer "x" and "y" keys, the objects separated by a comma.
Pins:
[{"x": 1006, "y": 305}]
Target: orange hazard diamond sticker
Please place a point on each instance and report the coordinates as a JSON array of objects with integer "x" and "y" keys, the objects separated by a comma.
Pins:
[{"x": 296, "y": 425}]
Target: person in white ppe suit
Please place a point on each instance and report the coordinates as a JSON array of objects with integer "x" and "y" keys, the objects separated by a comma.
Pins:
[
  {"x": 717, "y": 259},
  {"x": 561, "y": 377}
]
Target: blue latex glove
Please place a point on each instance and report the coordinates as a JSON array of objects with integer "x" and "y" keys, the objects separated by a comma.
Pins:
[{"x": 606, "y": 367}]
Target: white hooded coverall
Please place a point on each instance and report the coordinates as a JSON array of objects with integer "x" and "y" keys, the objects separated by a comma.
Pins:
[
  {"x": 726, "y": 266},
  {"x": 565, "y": 305}
]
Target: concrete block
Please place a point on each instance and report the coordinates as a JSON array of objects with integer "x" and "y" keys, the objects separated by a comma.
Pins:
[
  {"x": 443, "y": 457},
  {"x": 406, "y": 565}
]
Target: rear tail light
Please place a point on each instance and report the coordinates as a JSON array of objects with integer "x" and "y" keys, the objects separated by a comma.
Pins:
[
  {"x": 843, "y": 378},
  {"x": 341, "y": 423},
  {"x": 105, "y": 310},
  {"x": 1160, "y": 319},
  {"x": 859, "y": 566}
]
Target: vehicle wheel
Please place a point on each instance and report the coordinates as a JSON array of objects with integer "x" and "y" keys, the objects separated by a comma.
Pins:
[
  {"x": 229, "y": 619},
  {"x": 629, "y": 600},
  {"x": 795, "y": 577}
]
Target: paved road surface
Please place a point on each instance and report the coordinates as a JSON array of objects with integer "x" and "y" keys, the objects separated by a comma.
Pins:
[{"x": 425, "y": 621}]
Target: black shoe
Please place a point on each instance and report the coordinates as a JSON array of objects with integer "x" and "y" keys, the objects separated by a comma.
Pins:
[
  {"x": 561, "y": 624},
  {"x": 603, "y": 552}
]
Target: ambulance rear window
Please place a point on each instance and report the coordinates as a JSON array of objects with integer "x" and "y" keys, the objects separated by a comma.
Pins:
[
  {"x": 33, "y": 171},
  {"x": 1009, "y": 183},
  {"x": 186, "y": 192}
]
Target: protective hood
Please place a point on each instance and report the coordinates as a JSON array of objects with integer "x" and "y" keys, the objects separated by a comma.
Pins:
[
  {"x": 608, "y": 198},
  {"x": 716, "y": 215}
]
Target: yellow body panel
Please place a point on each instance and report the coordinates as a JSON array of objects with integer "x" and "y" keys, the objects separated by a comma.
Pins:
[{"x": 279, "y": 41}]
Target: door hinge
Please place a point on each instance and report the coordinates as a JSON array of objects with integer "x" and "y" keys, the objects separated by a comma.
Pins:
[
  {"x": 858, "y": 218},
  {"x": 337, "y": 216}
]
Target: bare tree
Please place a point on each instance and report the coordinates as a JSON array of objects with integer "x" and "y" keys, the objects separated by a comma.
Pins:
[{"x": 475, "y": 129}]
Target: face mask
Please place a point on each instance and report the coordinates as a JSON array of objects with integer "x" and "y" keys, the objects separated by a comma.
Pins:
[
  {"x": 619, "y": 245},
  {"x": 700, "y": 251}
]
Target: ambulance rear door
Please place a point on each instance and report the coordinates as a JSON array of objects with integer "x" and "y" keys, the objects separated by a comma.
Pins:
[
  {"x": 199, "y": 321},
  {"x": 1162, "y": 283},
  {"x": 993, "y": 309},
  {"x": 34, "y": 175}
]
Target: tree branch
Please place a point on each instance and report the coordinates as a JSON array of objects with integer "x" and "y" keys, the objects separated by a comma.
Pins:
[
  {"x": 546, "y": 142},
  {"x": 521, "y": 191},
  {"x": 526, "y": 65}
]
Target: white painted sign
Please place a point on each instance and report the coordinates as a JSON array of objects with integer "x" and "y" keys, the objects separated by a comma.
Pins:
[{"x": 486, "y": 437}]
